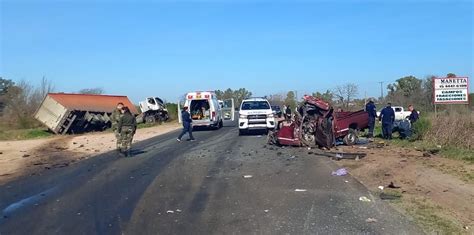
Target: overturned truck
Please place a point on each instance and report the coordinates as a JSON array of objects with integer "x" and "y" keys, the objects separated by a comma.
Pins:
[{"x": 78, "y": 113}]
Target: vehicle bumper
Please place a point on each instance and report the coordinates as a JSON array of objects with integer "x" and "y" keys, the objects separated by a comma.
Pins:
[{"x": 259, "y": 124}]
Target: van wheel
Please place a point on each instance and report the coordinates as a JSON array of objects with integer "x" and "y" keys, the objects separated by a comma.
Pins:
[{"x": 351, "y": 138}]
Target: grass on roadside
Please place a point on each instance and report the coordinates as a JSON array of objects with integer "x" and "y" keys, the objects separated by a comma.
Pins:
[
  {"x": 24, "y": 134},
  {"x": 431, "y": 218}
]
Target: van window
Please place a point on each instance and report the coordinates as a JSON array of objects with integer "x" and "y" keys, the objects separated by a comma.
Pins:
[
  {"x": 151, "y": 101},
  {"x": 398, "y": 109},
  {"x": 200, "y": 109},
  {"x": 255, "y": 105}
]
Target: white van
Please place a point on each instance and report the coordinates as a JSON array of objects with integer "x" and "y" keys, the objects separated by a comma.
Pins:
[{"x": 206, "y": 110}]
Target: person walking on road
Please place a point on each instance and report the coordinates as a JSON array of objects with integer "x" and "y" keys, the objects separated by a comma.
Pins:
[
  {"x": 127, "y": 126},
  {"x": 187, "y": 124},
  {"x": 372, "y": 110},
  {"x": 387, "y": 116},
  {"x": 114, "y": 118},
  {"x": 414, "y": 116}
]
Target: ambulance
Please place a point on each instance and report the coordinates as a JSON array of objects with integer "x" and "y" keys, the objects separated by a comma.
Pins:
[{"x": 206, "y": 110}]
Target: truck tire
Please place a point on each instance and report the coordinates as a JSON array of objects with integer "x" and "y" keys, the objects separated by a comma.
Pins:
[
  {"x": 150, "y": 119},
  {"x": 351, "y": 138}
]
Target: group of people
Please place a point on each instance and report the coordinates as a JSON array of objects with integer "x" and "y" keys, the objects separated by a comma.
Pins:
[
  {"x": 124, "y": 125},
  {"x": 387, "y": 117}
]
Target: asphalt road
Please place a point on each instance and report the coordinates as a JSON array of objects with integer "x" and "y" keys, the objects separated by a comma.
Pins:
[{"x": 197, "y": 188}]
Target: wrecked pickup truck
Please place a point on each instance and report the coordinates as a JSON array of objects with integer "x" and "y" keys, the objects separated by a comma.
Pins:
[
  {"x": 317, "y": 125},
  {"x": 78, "y": 113}
]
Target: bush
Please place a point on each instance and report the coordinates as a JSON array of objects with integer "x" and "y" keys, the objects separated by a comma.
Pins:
[
  {"x": 420, "y": 128},
  {"x": 172, "y": 111},
  {"x": 452, "y": 129}
]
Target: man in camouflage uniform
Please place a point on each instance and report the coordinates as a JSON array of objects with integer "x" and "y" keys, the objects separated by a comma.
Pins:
[
  {"x": 127, "y": 126},
  {"x": 114, "y": 118}
]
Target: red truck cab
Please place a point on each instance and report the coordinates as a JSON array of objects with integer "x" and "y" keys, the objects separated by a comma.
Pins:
[{"x": 348, "y": 124}]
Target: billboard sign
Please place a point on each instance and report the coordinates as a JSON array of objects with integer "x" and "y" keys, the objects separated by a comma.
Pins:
[{"x": 451, "y": 90}]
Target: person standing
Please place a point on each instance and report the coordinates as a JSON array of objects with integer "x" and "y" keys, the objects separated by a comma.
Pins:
[
  {"x": 387, "y": 116},
  {"x": 127, "y": 126},
  {"x": 288, "y": 113},
  {"x": 187, "y": 124},
  {"x": 414, "y": 116},
  {"x": 114, "y": 118},
  {"x": 372, "y": 110}
]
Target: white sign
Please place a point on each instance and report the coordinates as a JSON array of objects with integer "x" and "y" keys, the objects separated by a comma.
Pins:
[{"x": 451, "y": 90}]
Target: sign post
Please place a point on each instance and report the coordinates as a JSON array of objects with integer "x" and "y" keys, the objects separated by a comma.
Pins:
[{"x": 451, "y": 91}]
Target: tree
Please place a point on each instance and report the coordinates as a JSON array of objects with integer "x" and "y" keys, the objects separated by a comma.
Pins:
[
  {"x": 276, "y": 99},
  {"x": 451, "y": 75},
  {"x": 241, "y": 94},
  {"x": 5, "y": 84},
  {"x": 92, "y": 91},
  {"x": 406, "y": 90},
  {"x": 327, "y": 96},
  {"x": 290, "y": 99},
  {"x": 345, "y": 93}
]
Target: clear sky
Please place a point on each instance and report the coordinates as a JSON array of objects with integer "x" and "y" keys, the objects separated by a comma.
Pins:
[{"x": 166, "y": 48}]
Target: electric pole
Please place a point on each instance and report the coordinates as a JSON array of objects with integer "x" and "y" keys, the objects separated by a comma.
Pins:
[{"x": 381, "y": 91}]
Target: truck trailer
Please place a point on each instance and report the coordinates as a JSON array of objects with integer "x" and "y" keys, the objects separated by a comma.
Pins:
[{"x": 78, "y": 113}]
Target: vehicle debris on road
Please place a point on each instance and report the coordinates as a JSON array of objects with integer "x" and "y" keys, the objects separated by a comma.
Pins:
[
  {"x": 364, "y": 199},
  {"x": 248, "y": 176},
  {"x": 301, "y": 190},
  {"x": 340, "y": 172},
  {"x": 371, "y": 220}
]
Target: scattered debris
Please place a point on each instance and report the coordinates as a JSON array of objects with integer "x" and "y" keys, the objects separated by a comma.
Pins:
[
  {"x": 381, "y": 188},
  {"x": 371, "y": 220},
  {"x": 340, "y": 172},
  {"x": 425, "y": 154},
  {"x": 81, "y": 146},
  {"x": 385, "y": 196},
  {"x": 466, "y": 227},
  {"x": 347, "y": 181},
  {"x": 170, "y": 212},
  {"x": 179, "y": 211},
  {"x": 364, "y": 199},
  {"x": 1, "y": 153},
  {"x": 248, "y": 176},
  {"x": 363, "y": 147},
  {"x": 392, "y": 185},
  {"x": 266, "y": 211},
  {"x": 26, "y": 155},
  {"x": 301, "y": 190}
]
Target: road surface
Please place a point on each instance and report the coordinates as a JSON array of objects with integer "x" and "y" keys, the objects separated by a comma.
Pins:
[{"x": 197, "y": 188}]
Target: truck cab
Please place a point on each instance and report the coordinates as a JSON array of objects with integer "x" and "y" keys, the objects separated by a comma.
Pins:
[
  {"x": 256, "y": 114},
  {"x": 206, "y": 110},
  {"x": 153, "y": 109}
]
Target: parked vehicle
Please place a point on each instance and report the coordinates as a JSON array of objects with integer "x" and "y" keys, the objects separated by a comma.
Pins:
[
  {"x": 206, "y": 110},
  {"x": 400, "y": 113},
  {"x": 153, "y": 110},
  {"x": 255, "y": 114},
  {"x": 78, "y": 113},
  {"x": 277, "y": 111}
]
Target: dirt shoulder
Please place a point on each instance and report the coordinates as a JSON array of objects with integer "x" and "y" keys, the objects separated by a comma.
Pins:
[
  {"x": 30, "y": 157},
  {"x": 437, "y": 192}
]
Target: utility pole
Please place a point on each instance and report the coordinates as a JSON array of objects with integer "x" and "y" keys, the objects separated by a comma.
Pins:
[{"x": 381, "y": 91}]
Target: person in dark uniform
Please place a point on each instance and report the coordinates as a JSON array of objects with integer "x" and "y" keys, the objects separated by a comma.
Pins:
[
  {"x": 127, "y": 126},
  {"x": 187, "y": 125},
  {"x": 288, "y": 113},
  {"x": 387, "y": 116},
  {"x": 414, "y": 116},
  {"x": 372, "y": 110}
]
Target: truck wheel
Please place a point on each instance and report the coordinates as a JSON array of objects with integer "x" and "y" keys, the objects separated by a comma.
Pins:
[
  {"x": 150, "y": 119},
  {"x": 351, "y": 138}
]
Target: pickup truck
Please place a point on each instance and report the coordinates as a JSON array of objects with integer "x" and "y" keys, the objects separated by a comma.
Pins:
[
  {"x": 348, "y": 124},
  {"x": 400, "y": 113}
]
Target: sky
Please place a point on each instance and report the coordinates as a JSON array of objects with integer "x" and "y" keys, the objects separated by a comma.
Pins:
[{"x": 167, "y": 48}]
